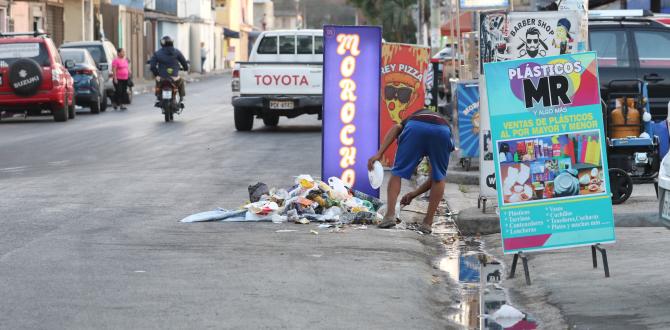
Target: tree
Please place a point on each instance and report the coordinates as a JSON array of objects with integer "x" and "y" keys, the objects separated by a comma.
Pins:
[{"x": 395, "y": 17}]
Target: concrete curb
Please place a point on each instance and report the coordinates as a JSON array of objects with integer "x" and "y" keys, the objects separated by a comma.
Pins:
[
  {"x": 459, "y": 176},
  {"x": 472, "y": 221}
]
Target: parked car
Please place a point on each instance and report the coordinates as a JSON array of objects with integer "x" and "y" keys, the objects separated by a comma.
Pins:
[
  {"x": 88, "y": 80},
  {"x": 633, "y": 44},
  {"x": 103, "y": 52},
  {"x": 283, "y": 78},
  {"x": 664, "y": 191},
  {"x": 33, "y": 79}
]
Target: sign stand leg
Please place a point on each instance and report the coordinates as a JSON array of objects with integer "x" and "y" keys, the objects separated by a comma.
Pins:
[
  {"x": 526, "y": 271},
  {"x": 594, "y": 256},
  {"x": 481, "y": 203}
]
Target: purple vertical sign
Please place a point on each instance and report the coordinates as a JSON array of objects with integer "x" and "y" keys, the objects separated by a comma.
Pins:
[{"x": 351, "y": 87}]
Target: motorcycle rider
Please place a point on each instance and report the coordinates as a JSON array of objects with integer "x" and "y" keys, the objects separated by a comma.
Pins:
[{"x": 165, "y": 64}]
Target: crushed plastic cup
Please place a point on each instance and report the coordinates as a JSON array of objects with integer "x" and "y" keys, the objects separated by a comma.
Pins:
[{"x": 305, "y": 181}]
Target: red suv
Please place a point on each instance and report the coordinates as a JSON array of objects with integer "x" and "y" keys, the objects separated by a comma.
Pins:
[{"x": 33, "y": 80}]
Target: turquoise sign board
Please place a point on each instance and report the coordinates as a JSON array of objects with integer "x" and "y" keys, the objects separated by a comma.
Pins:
[{"x": 549, "y": 152}]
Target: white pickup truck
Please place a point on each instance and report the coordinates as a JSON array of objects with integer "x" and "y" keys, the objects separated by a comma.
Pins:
[{"x": 284, "y": 77}]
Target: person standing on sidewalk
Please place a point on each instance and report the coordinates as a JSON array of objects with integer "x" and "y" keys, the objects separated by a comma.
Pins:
[
  {"x": 120, "y": 74},
  {"x": 203, "y": 57},
  {"x": 423, "y": 134}
]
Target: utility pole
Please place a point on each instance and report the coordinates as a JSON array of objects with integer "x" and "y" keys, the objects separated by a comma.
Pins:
[{"x": 420, "y": 31}]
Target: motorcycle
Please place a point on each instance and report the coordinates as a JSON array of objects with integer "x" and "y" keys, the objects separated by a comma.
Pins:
[{"x": 168, "y": 98}]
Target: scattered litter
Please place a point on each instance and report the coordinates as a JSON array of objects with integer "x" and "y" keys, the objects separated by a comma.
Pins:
[
  {"x": 276, "y": 218},
  {"x": 316, "y": 255},
  {"x": 436, "y": 279},
  {"x": 140, "y": 271},
  {"x": 285, "y": 231},
  {"x": 308, "y": 200},
  {"x": 363, "y": 227},
  {"x": 303, "y": 221},
  {"x": 507, "y": 316},
  {"x": 326, "y": 225},
  {"x": 216, "y": 215},
  {"x": 314, "y": 232},
  {"x": 337, "y": 230}
]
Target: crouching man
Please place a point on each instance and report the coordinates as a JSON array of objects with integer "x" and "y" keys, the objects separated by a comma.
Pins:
[{"x": 423, "y": 134}]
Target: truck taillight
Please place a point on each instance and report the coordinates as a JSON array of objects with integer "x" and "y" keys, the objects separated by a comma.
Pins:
[{"x": 235, "y": 84}]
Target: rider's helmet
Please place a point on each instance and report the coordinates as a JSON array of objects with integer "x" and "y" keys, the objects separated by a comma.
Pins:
[{"x": 166, "y": 41}]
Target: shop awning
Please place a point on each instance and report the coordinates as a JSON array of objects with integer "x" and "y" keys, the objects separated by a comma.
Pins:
[
  {"x": 465, "y": 19},
  {"x": 228, "y": 33}
]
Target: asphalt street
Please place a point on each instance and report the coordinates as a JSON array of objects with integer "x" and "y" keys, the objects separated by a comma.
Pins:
[{"x": 90, "y": 238}]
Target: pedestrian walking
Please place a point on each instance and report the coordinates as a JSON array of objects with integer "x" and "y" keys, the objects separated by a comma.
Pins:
[
  {"x": 423, "y": 134},
  {"x": 203, "y": 57},
  {"x": 121, "y": 74}
]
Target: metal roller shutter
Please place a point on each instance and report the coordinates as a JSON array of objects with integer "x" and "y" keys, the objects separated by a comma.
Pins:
[{"x": 55, "y": 25}]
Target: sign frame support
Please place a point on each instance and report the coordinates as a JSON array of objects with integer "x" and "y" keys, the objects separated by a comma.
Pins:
[{"x": 594, "y": 257}]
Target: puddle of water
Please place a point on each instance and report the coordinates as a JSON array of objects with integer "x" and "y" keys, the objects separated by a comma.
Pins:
[{"x": 479, "y": 279}]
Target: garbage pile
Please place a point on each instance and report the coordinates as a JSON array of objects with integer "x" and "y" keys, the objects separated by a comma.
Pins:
[{"x": 308, "y": 200}]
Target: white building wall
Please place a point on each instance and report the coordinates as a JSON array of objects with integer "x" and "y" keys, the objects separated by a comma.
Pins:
[{"x": 180, "y": 34}]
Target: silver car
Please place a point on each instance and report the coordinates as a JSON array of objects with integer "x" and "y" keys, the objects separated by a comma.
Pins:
[{"x": 103, "y": 53}]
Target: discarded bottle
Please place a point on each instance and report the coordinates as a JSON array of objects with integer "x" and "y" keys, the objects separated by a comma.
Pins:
[
  {"x": 365, "y": 218},
  {"x": 376, "y": 202}
]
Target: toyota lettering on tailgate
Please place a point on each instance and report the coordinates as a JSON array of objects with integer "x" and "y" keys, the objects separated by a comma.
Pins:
[{"x": 281, "y": 79}]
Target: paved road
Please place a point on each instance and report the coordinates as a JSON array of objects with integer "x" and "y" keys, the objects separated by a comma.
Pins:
[{"x": 89, "y": 236}]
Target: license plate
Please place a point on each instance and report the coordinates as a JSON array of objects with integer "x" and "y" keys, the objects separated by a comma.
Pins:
[
  {"x": 282, "y": 105},
  {"x": 665, "y": 212},
  {"x": 167, "y": 95}
]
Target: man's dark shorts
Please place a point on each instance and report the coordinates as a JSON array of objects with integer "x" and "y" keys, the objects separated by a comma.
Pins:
[{"x": 420, "y": 139}]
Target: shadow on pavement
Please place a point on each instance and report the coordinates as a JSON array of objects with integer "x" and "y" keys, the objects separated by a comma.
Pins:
[{"x": 289, "y": 129}]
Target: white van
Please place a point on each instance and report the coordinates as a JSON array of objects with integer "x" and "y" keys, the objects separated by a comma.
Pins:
[{"x": 282, "y": 78}]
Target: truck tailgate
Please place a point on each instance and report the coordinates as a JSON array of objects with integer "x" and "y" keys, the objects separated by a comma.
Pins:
[{"x": 274, "y": 78}]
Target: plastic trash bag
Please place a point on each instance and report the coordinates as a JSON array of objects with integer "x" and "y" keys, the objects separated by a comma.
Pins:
[
  {"x": 507, "y": 316},
  {"x": 276, "y": 218},
  {"x": 333, "y": 213},
  {"x": 279, "y": 196},
  {"x": 340, "y": 190},
  {"x": 262, "y": 207},
  {"x": 292, "y": 215},
  {"x": 257, "y": 191},
  {"x": 216, "y": 215},
  {"x": 250, "y": 216}
]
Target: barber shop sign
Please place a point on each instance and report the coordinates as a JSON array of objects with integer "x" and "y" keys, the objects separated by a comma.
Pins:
[
  {"x": 522, "y": 35},
  {"x": 351, "y": 94}
]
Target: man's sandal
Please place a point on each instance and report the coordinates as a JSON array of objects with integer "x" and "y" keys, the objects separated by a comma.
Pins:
[
  {"x": 425, "y": 229},
  {"x": 387, "y": 223}
]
